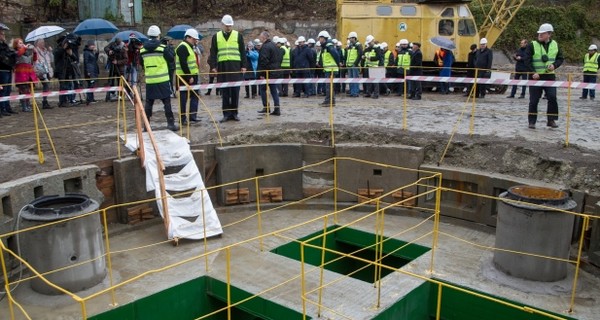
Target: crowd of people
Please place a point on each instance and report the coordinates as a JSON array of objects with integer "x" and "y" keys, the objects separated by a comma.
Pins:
[{"x": 268, "y": 57}]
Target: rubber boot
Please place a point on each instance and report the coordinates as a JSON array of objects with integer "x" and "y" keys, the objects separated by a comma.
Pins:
[{"x": 171, "y": 125}]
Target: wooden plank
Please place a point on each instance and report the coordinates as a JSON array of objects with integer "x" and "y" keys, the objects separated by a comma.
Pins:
[
  {"x": 365, "y": 195},
  {"x": 402, "y": 195},
  {"x": 274, "y": 194},
  {"x": 237, "y": 196}
]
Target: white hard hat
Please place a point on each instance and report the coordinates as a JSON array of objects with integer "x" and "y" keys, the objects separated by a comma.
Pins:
[
  {"x": 191, "y": 33},
  {"x": 153, "y": 31},
  {"x": 318, "y": 44},
  {"x": 397, "y": 44},
  {"x": 311, "y": 40},
  {"x": 324, "y": 34},
  {"x": 369, "y": 39},
  {"x": 352, "y": 35},
  {"x": 403, "y": 41},
  {"x": 227, "y": 20},
  {"x": 546, "y": 27},
  {"x": 593, "y": 47},
  {"x": 282, "y": 40},
  {"x": 301, "y": 39},
  {"x": 296, "y": 42},
  {"x": 334, "y": 41},
  {"x": 483, "y": 41},
  {"x": 383, "y": 45},
  {"x": 275, "y": 39}
]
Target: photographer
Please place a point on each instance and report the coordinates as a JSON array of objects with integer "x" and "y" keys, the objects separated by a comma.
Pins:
[
  {"x": 43, "y": 68},
  {"x": 90, "y": 68},
  {"x": 66, "y": 67},
  {"x": 8, "y": 60},
  {"x": 117, "y": 59}
]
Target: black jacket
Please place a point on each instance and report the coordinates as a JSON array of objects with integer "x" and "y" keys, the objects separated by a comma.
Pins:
[
  {"x": 8, "y": 57},
  {"x": 304, "y": 57},
  {"x": 269, "y": 58},
  {"x": 90, "y": 63},
  {"x": 484, "y": 59},
  {"x": 416, "y": 63},
  {"x": 520, "y": 66},
  {"x": 63, "y": 66}
]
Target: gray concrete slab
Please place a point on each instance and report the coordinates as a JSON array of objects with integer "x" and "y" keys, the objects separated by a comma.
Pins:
[{"x": 255, "y": 269}]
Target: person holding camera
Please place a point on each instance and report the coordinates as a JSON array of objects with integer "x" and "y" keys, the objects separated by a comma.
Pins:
[
  {"x": 43, "y": 68},
  {"x": 542, "y": 57},
  {"x": 66, "y": 67},
  {"x": 90, "y": 68},
  {"x": 117, "y": 59},
  {"x": 8, "y": 59},
  {"x": 24, "y": 73}
]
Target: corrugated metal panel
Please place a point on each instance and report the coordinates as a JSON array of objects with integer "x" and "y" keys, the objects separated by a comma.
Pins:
[{"x": 106, "y": 9}]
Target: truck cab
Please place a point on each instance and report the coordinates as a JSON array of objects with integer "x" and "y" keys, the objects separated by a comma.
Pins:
[{"x": 416, "y": 21}]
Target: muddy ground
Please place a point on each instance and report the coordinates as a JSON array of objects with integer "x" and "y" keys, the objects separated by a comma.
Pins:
[{"x": 500, "y": 141}]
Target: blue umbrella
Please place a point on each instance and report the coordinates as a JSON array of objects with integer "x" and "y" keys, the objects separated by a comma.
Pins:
[
  {"x": 124, "y": 35},
  {"x": 178, "y": 31},
  {"x": 95, "y": 27}
]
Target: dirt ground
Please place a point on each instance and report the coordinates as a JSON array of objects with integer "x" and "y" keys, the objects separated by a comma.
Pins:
[{"x": 500, "y": 141}]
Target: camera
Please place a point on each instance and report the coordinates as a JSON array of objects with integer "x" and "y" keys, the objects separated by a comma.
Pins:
[{"x": 69, "y": 41}]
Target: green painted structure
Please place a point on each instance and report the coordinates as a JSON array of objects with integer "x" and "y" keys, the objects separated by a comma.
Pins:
[{"x": 359, "y": 244}]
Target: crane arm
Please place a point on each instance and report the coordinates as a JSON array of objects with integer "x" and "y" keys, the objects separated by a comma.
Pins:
[{"x": 498, "y": 18}]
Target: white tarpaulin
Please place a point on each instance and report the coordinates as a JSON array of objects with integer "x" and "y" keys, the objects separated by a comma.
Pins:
[{"x": 191, "y": 215}]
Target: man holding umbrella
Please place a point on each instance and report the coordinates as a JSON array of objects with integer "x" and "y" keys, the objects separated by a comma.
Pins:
[
  {"x": 227, "y": 56},
  {"x": 154, "y": 60}
]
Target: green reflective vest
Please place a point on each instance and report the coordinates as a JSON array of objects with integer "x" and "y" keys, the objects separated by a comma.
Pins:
[
  {"x": 404, "y": 60},
  {"x": 371, "y": 63},
  {"x": 328, "y": 60},
  {"x": 285, "y": 63},
  {"x": 590, "y": 64},
  {"x": 156, "y": 69},
  {"x": 386, "y": 58},
  {"x": 538, "y": 64},
  {"x": 351, "y": 55},
  {"x": 228, "y": 50},
  {"x": 191, "y": 60}
]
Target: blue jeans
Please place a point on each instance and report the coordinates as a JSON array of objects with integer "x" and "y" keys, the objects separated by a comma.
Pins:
[
  {"x": 274, "y": 94},
  {"x": 6, "y": 82},
  {"x": 589, "y": 78},
  {"x": 353, "y": 73},
  {"x": 518, "y": 76}
]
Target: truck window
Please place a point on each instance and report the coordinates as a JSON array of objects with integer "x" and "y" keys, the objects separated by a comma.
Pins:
[
  {"x": 408, "y": 10},
  {"x": 446, "y": 27},
  {"x": 384, "y": 11},
  {"x": 466, "y": 27},
  {"x": 448, "y": 12}
]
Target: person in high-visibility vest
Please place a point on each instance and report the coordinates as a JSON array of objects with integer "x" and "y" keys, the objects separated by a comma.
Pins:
[
  {"x": 353, "y": 58},
  {"x": 330, "y": 61},
  {"x": 187, "y": 68},
  {"x": 228, "y": 59},
  {"x": 153, "y": 58},
  {"x": 590, "y": 71},
  {"x": 372, "y": 58},
  {"x": 403, "y": 61},
  {"x": 542, "y": 57},
  {"x": 285, "y": 65}
]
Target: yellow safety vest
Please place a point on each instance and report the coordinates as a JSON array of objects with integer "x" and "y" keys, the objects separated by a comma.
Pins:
[
  {"x": 590, "y": 64},
  {"x": 368, "y": 61},
  {"x": 191, "y": 60},
  {"x": 156, "y": 69},
  {"x": 328, "y": 60},
  {"x": 386, "y": 58},
  {"x": 229, "y": 50},
  {"x": 352, "y": 54},
  {"x": 285, "y": 63},
  {"x": 404, "y": 60},
  {"x": 538, "y": 64}
]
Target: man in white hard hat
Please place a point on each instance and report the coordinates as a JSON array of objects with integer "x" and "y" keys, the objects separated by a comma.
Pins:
[
  {"x": 483, "y": 65},
  {"x": 227, "y": 59},
  {"x": 403, "y": 58},
  {"x": 354, "y": 54},
  {"x": 303, "y": 59},
  {"x": 153, "y": 58},
  {"x": 372, "y": 58},
  {"x": 590, "y": 70},
  {"x": 187, "y": 68},
  {"x": 329, "y": 59},
  {"x": 285, "y": 65},
  {"x": 542, "y": 57}
]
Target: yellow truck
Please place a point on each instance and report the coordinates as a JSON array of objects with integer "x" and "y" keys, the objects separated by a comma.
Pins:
[{"x": 421, "y": 20}]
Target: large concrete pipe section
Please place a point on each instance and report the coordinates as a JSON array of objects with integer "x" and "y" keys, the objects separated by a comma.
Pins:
[
  {"x": 524, "y": 227},
  {"x": 63, "y": 245}
]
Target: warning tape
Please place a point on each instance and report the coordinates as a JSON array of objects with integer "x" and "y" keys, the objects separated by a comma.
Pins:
[
  {"x": 535, "y": 83},
  {"x": 465, "y": 80},
  {"x": 59, "y": 93}
]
